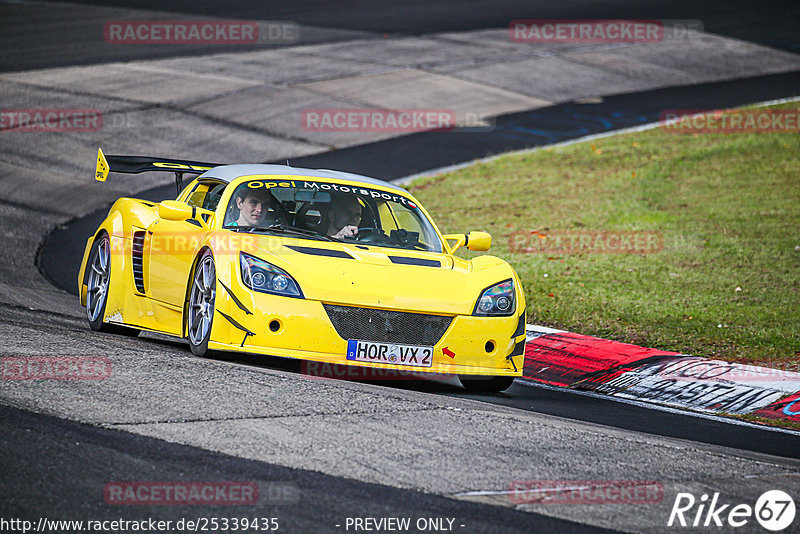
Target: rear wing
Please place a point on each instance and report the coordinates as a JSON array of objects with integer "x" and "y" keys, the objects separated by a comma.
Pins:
[{"x": 136, "y": 164}]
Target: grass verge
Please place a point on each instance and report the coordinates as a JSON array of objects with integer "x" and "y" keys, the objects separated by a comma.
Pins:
[{"x": 724, "y": 281}]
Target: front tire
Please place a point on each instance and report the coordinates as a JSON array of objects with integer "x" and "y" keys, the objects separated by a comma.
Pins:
[
  {"x": 200, "y": 309},
  {"x": 486, "y": 384},
  {"x": 98, "y": 282}
]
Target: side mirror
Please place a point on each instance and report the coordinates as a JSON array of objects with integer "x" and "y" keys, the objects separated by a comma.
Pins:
[
  {"x": 173, "y": 210},
  {"x": 476, "y": 241},
  {"x": 479, "y": 241}
]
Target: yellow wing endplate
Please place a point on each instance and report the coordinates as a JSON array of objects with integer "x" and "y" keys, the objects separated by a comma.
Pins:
[
  {"x": 137, "y": 164},
  {"x": 101, "y": 172}
]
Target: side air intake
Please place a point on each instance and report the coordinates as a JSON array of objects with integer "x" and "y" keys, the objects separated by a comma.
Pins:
[{"x": 137, "y": 260}]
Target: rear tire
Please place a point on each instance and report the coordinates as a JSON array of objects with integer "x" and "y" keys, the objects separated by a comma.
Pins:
[
  {"x": 200, "y": 308},
  {"x": 486, "y": 384},
  {"x": 98, "y": 281}
]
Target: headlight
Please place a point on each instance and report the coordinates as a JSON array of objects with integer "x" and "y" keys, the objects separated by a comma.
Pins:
[
  {"x": 261, "y": 276},
  {"x": 496, "y": 300}
]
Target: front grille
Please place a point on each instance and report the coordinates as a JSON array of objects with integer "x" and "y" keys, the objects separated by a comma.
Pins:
[{"x": 387, "y": 326}]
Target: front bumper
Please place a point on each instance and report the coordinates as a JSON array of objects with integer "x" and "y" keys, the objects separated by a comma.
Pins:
[{"x": 299, "y": 328}]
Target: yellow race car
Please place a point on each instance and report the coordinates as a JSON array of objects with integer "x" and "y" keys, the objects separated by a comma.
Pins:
[{"x": 320, "y": 265}]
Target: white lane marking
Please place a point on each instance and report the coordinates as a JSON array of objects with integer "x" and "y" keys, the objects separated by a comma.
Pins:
[{"x": 544, "y": 329}]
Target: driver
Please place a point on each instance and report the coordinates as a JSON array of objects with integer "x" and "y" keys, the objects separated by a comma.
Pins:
[
  {"x": 252, "y": 204},
  {"x": 344, "y": 216}
]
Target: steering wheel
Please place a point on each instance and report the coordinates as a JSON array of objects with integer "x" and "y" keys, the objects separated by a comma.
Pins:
[{"x": 370, "y": 234}]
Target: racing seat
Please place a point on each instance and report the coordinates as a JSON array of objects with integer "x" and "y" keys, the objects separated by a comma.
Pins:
[{"x": 312, "y": 216}]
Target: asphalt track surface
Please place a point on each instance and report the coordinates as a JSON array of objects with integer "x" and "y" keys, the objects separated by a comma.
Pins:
[
  {"x": 83, "y": 458},
  {"x": 48, "y": 462},
  {"x": 774, "y": 23}
]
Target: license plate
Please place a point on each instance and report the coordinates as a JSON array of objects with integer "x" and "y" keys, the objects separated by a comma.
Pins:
[{"x": 391, "y": 353}]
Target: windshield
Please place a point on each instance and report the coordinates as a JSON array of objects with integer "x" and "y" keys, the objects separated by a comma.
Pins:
[{"x": 321, "y": 210}]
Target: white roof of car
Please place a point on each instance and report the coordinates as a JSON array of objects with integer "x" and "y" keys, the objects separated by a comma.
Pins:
[{"x": 228, "y": 173}]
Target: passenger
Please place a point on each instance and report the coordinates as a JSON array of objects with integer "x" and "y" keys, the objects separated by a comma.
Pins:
[
  {"x": 253, "y": 205},
  {"x": 344, "y": 216}
]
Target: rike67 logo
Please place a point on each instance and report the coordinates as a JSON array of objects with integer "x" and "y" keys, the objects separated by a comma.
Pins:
[{"x": 774, "y": 510}]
